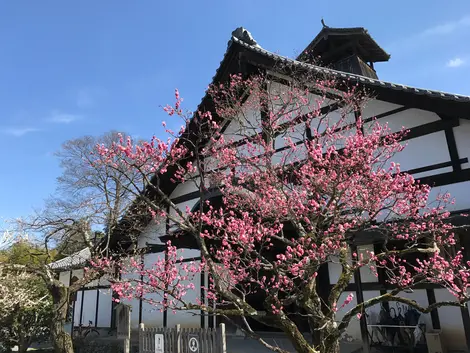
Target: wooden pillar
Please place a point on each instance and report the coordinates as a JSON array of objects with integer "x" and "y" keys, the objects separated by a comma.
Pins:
[
  {"x": 178, "y": 339},
  {"x": 73, "y": 317},
  {"x": 203, "y": 299},
  {"x": 436, "y": 323},
  {"x": 142, "y": 261},
  {"x": 223, "y": 343},
  {"x": 466, "y": 324},
  {"x": 81, "y": 306},
  {"x": 73, "y": 305},
  {"x": 97, "y": 306},
  {"x": 360, "y": 300}
]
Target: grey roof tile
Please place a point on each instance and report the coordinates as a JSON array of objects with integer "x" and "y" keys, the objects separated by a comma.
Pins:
[
  {"x": 77, "y": 259},
  {"x": 353, "y": 77}
]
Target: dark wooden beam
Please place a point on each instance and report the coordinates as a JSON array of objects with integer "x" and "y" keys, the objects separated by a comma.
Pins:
[
  {"x": 385, "y": 114},
  {"x": 466, "y": 323},
  {"x": 452, "y": 147},
  {"x": 435, "y": 166},
  {"x": 97, "y": 306},
  {"x": 407, "y": 97},
  {"x": 73, "y": 305},
  {"x": 446, "y": 178},
  {"x": 428, "y": 128},
  {"x": 203, "y": 298},
  {"x": 436, "y": 323},
  {"x": 140, "y": 299},
  {"x": 73, "y": 317},
  {"x": 81, "y": 306},
  {"x": 360, "y": 300}
]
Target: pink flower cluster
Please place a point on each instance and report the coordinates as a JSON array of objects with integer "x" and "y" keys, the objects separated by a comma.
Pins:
[{"x": 290, "y": 203}]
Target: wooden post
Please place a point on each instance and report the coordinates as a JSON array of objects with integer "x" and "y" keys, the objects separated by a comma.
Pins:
[
  {"x": 141, "y": 336},
  {"x": 360, "y": 300},
  {"x": 127, "y": 345},
  {"x": 127, "y": 339},
  {"x": 178, "y": 338},
  {"x": 223, "y": 342}
]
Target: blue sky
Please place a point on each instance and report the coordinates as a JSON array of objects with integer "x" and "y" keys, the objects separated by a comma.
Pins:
[{"x": 71, "y": 68}]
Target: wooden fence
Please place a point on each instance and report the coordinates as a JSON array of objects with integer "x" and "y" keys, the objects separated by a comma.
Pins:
[{"x": 181, "y": 340}]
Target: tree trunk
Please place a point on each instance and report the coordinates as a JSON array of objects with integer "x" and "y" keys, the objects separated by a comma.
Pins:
[
  {"x": 330, "y": 346},
  {"x": 329, "y": 341},
  {"x": 23, "y": 344},
  {"x": 61, "y": 340}
]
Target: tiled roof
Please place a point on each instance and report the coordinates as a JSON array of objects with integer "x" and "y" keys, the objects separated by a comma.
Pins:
[
  {"x": 77, "y": 259},
  {"x": 352, "y": 77},
  {"x": 374, "y": 51}
]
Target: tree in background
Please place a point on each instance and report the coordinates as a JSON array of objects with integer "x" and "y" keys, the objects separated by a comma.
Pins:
[
  {"x": 302, "y": 180},
  {"x": 25, "y": 303},
  {"x": 90, "y": 201}
]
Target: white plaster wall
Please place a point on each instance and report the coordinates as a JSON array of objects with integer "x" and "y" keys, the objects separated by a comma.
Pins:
[
  {"x": 432, "y": 172},
  {"x": 313, "y": 101},
  {"x": 423, "y": 151},
  {"x": 334, "y": 268},
  {"x": 187, "y": 318},
  {"x": 64, "y": 277},
  {"x": 247, "y": 123},
  {"x": 182, "y": 207},
  {"x": 408, "y": 118},
  {"x": 185, "y": 188},
  {"x": 462, "y": 139},
  {"x": 367, "y": 276},
  {"x": 459, "y": 191},
  {"x": 152, "y": 315},
  {"x": 78, "y": 303},
  {"x": 93, "y": 283},
  {"x": 103, "y": 281},
  {"x": 104, "y": 308},
  {"x": 333, "y": 120},
  {"x": 77, "y": 273},
  {"x": 453, "y": 335},
  {"x": 374, "y": 107},
  {"x": 295, "y": 133},
  {"x": 188, "y": 253},
  {"x": 134, "y": 303},
  {"x": 152, "y": 233},
  {"x": 372, "y": 313},
  {"x": 89, "y": 307}
]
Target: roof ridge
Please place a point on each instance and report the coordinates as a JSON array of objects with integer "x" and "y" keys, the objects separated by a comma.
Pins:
[{"x": 360, "y": 78}]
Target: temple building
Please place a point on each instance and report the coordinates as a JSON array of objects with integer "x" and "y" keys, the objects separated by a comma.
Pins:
[{"x": 437, "y": 154}]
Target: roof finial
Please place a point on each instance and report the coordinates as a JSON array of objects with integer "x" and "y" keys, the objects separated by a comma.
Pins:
[
  {"x": 323, "y": 23},
  {"x": 244, "y": 35}
]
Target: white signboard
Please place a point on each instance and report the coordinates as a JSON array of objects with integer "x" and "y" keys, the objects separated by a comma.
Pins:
[
  {"x": 159, "y": 343},
  {"x": 193, "y": 344}
]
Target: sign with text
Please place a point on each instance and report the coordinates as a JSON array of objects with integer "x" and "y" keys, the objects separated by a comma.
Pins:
[
  {"x": 193, "y": 343},
  {"x": 159, "y": 343}
]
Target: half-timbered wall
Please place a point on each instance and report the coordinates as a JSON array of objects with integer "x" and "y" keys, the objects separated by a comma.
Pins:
[
  {"x": 438, "y": 151},
  {"x": 93, "y": 302}
]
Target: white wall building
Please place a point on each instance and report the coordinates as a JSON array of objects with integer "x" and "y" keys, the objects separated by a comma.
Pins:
[{"x": 438, "y": 153}]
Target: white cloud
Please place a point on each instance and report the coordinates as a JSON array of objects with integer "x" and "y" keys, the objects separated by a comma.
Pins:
[
  {"x": 86, "y": 97},
  {"x": 62, "y": 118},
  {"x": 448, "y": 27},
  {"x": 18, "y": 131},
  {"x": 456, "y": 62},
  {"x": 429, "y": 35}
]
